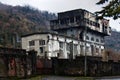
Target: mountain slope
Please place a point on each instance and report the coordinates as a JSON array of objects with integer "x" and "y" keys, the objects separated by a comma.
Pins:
[
  {"x": 15, "y": 21},
  {"x": 113, "y": 42}
]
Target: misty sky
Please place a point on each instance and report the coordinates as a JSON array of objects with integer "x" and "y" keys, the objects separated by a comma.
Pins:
[{"x": 62, "y": 5}]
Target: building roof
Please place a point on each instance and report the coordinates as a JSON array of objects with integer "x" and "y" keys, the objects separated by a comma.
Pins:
[
  {"x": 48, "y": 32},
  {"x": 75, "y": 10},
  {"x": 42, "y": 32}
]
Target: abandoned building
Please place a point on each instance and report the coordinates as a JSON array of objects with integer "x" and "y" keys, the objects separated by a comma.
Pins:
[
  {"x": 51, "y": 44},
  {"x": 84, "y": 26},
  {"x": 75, "y": 38},
  {"x": 74, "y": 33}
]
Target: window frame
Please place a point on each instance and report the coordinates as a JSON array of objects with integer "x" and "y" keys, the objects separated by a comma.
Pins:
[{"x": 32, "y": 43}]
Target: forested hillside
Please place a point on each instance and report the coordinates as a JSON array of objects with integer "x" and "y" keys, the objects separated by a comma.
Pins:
[
  {"x": 113, "y": 42},
  {"x": 17, "y": 20}
]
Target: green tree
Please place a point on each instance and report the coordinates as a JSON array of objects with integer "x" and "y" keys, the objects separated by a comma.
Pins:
[{"x": 111, "y": 8}]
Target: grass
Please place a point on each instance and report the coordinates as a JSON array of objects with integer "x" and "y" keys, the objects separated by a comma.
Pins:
[
  {"x": 36, "y": 78},
  {"x": 40, "y": 77},
  {"x": 84, "y": 78}
]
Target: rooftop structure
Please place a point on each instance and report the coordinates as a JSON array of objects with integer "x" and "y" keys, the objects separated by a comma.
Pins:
[{"x": 80, "y": 19}]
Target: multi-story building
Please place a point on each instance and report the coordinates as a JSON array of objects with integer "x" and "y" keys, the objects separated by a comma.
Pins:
[
  {"x": 84, "y": 26},
  {"x": 79, "y": 32},
  {"x": 73, "y": 22}
]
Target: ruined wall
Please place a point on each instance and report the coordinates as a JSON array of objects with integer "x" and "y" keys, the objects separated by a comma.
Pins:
[
  {"x": 15, "y": 62},
  {"x": 95, "y": 67}
]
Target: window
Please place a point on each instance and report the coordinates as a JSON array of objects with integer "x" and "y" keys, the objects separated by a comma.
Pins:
[
  {"x": 68, "y": 47},
  {"x": 92, "y": 39},
  {"x": 48, "y": 37},
  {"x": 87, "y": 49},
  {"x": 97, "y": 40},
  {"x": 81, "y": 35},
  {"x": 91, "y": 23},
  {"x": 75, "y": 49},
  {"x": 81, "y": 49},
  {"x": 41, "y": 42},
  {"x": 97, "y": 51},
  {"x": 78, "y": 18},
  {"x": 62, "y": 21},
  {"x": 87, "y": 37},
  {"x": 41, "y": 50},
  {"x": 97, "y": 24},
  {"x": 67, "y": 20},
  {"x": 61, "y": 44},
  {"x": 72, "y": 19},
  {"x": 31, "y": 43},
  {"x": 102, "y": 51}
]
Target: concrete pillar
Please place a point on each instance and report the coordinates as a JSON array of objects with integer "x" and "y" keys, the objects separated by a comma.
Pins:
[{"x": 65, "y": 50}]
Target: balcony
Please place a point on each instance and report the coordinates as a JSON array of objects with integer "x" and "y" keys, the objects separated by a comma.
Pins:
[{"x": 67, "y": 25}]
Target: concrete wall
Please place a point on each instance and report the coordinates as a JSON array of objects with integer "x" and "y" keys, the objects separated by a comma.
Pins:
[{"x": 95, "y": 67}]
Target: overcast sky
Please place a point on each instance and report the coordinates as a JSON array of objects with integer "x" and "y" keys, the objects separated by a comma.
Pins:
[{"x": 62, "y": 5}]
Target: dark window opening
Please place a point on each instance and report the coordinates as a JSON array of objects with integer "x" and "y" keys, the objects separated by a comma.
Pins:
[
  {"x": 78, "y": 18},
  {"x": 72, "y": 20},
  {"x": 92, "y": 39},
  {"x": 41, "y": 42},
  {"x": 81, "y": 35},
  {"x": 31, "y": 43},
  {"x": 41, "y": 50},
  {"x": 97, "y": 40},
  {"x": 87, "y": 37}
]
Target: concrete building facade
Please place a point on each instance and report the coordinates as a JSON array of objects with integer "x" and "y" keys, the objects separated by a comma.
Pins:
[
  {"x": 54, "y": 45},
  {"x": 74, "y": 33},
  {"x": 51, "y": 45},
  {"x": 84, "y": 26}
]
